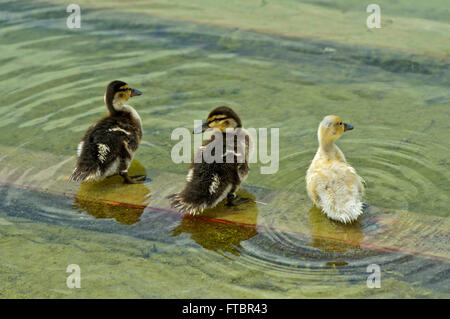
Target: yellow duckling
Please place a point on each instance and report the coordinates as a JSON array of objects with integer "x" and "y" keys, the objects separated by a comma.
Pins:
[{"x": 332, "y": 184}]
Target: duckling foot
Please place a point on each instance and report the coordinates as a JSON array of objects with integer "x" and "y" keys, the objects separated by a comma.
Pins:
[
  {"x": 142, "y": 178},
  {"x": 234, "y": 200},
  {"x": 136, "y": 180}
]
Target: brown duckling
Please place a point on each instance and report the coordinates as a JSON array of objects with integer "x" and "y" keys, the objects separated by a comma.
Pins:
[
  {"x": 209, "y": 182},
  {"x": 108, "y": 146}
]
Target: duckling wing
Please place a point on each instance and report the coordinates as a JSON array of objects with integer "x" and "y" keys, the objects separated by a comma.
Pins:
[
  {"x": 338, "y": 190},
  {"x": 207, "y": 185},
  {"x": 101, "y": 152},
  {"x": 209, "y": 181}
]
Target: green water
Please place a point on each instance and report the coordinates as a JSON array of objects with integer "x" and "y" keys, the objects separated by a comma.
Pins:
[{"x": 51, "y": 86}]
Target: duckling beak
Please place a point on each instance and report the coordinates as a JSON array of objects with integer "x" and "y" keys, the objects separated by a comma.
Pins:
[
  {"x": 201, "y": 128},
  {"x": 348, "y": 127},
  {"x": 135, "y": 92}
]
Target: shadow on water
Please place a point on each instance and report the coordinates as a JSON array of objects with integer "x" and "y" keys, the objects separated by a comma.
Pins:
[
  {"x": 99, "y": 209},
  {"x": 221, "y": 229},
  {"x": 328, "y": 235},
  {"x": 220, "y": 235},
  {"x": 98, "y": 198}
]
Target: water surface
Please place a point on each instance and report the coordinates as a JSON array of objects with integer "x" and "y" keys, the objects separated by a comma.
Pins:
[{"x": 278, "y": 71}]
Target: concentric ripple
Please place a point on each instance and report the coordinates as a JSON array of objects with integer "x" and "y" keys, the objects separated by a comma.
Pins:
[{"x": 399, "y": 174}]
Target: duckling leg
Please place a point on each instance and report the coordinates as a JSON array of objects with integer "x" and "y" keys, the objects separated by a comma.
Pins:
[
  {"x": 235, "y": 200},
  {"x": 123, "y": 170},
  {"x": 141, "y": 178},
  {"x": 230, "y": 198},
  {"x": 128, "y": 180},
  {"x": 136, "y": 177}
]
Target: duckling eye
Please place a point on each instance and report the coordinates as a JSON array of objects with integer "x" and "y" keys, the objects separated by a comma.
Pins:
[
  {"x": 216, "y": 120},
  {"x": 340, "y": 123}
]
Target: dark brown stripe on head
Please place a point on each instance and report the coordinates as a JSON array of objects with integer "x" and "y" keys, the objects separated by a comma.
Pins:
[{"x": 228, "y": 112}]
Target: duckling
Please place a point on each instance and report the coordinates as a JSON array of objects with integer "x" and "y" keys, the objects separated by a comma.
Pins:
[
  {"x": 210, "y": 181},
  {"x": 108, "y": 146},
  {"x": 332, "y": 184}
]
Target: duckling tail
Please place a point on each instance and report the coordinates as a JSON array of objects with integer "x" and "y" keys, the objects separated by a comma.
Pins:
[
  {"x": 82, "y": 174},
  {"x": 342, "y": 206},
  {"x": 180, "y": 203},
  {"x": 347, "y": 214}
]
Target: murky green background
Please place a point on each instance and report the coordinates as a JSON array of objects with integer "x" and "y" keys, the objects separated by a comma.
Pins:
[{"x": 277, "y": 70}]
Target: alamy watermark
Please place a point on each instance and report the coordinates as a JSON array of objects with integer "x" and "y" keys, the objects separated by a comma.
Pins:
[
  {"x": 374, "y": 279},
  {"x": 234, "y": 145},
  {"x": 74, "y": 279},
  {"x": 373, "y": 20},
  {"x": 74, "y": 19}
]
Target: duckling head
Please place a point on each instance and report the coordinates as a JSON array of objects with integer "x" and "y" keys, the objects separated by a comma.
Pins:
[
  {"x": 331, "y": 128},
  {"x": 117, "y": 94},
  {"x": 221, "y": 118}
]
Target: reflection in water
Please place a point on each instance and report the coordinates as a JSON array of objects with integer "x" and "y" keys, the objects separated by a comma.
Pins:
[
  {"x": 222, "y": 235},
  {"x": 215, "y": 236},
  {"x": 107, "y": 209},
  {"x": 332, "y": 236},
  {"x": 111, "y": 198}
]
